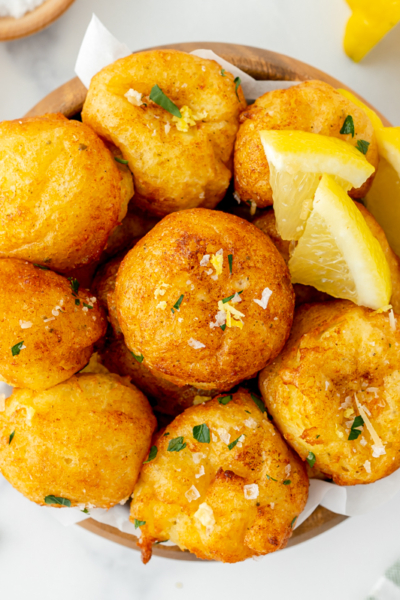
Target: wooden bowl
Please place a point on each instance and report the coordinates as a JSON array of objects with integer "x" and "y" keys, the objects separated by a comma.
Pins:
[
  {"x": 261, "y": 64},
  {"x": 34, "y": 21}
]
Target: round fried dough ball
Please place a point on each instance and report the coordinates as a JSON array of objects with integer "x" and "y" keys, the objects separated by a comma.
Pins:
[
  {"x": 306, "y": 293},
  {"x": 339, "y": 371},
  {"x": 205, "y": 298},
  {"x": 48, "y": 326},
  {"x": 83, "y": 440},
  {"x": 61, "y": 192},
  {"x": 312, "y": 106},
  {"x": 223, "y": 484},
  {"x": 103, "y": 287},
  {"x": 177, "y": 163}
]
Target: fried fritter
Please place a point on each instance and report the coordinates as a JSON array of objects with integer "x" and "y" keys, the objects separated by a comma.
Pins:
[
  {"x": 334, "y": 390},
  {"x": 312, "y": 106},
  {"x": 60, "y": 192},
  {"x": 205, "y": 299},
  {"x": 177, "y": 163},
  {"x": 48, "y": 327},
  {"x": 222, "y": 485},
  {"x": 83, "y": 440}
]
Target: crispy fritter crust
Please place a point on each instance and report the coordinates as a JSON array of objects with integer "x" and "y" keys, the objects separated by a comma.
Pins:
[
  {"x": 338, "y": 352},
  {"x": 172, "y": 170},
  {"x": 83, "y": 440},
  {"x": 37, "y": 308},
  {"x": 312, "y": 106},
  {"x": 242, "y": 527},
  {"x": 61, "y": 192},
  {"x": 165, "y": 265}
]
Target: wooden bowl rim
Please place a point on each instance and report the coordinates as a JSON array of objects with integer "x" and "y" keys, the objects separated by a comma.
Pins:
[
  {"x": 261, "y": 64},
  {"x": 37, "y": 19}
]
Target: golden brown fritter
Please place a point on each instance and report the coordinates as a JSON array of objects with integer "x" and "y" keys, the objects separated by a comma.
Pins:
[
  {"x": 60, "y": 192},
  {"x": 170, "y": 295},
  {"x": 229, "y": 495},
  {"x": 103, "y": 287},
  {"x": 168, "y": 398},
  {"x": 83, "y": 440},
  {"x": 175, "y": 165},
  {"x": 341, "y": 362},
  {"x": 312, "y": 106},
  {"x": 48, "y": 327}
]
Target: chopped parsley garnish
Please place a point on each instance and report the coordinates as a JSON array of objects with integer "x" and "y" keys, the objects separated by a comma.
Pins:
[
  {"x": 223, "y": 327},
  {"x": 317, "y": 436},
  {"x": 176, "y": 444},
  {"x": 233, "y": 444},
  {"x": 225, "y": 300},
  {"x": 223, "y": 72},
  {"x": 85, "y": 510},
  {"x": 269, "y": 477},
  {"x": 311, "y": 459},
  {"x": 138, "y": 357},
  {"x": 41, "y": 267},
  {"x": 77, "y": 301},
  {"x": 152, "y": 454},
  {"x": 10, "y": 439},
  {"x": 237, "y": 82},
  {"x": 178, "y": 302},
  {"x": 161, "y": 542},
  {"x": 225, "y": 399},
  {"x": 139, "y": 523},
  {"x": 201, "y": 433},
  {"x": 15, "y": 350},
  {"x": 165, "y": 434},
  {"x": 74, "y": 283},
  {"x": 87, "y": 305},
  {"x": 348, "y": 126},
  {"x": 158, "y": 97},
  {"x": 354, "y": 431},
  {"x": 287, "y": 482},
  {"x": 362, "y": 146},
  {"x": 57, "y": 500},
  {"x": 121, "y": 160},
  {"x": 230, "y": 260},
  {"x": 293, "y": 522},
  {"x": 259, "y": 403}
]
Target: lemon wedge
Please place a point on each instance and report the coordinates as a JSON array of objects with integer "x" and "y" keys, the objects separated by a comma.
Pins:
[
  {"x": 370, "y": 22},
  {"x": 297, "y": 160},
  {"x": 383, "y": 199},
  {"x": 338, "y": 254}
]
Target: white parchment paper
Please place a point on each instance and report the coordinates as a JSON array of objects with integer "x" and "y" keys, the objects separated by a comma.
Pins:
[{"x": 100, "y": 48}]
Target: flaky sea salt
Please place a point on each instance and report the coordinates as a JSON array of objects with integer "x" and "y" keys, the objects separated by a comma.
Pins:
[
  {"x": 251, "y": 491},
  {"x": 265, "y": 296},
  {"x": 195, "y": 344},
  {"x": 192, "y": 494}
]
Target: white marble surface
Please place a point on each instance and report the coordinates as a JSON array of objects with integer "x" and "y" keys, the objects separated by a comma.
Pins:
[{"x": 39, "y": 558}]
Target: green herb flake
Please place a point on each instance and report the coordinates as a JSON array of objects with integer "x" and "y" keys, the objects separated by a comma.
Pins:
[
  {"x": 82, "y": 147},
  {"x": 293, "y": 522},
  {"x": 348, "y": 126},
  {"x": 362, "y": 146},
  {"x": 233, "y": 444},
  {"x": 165, "y": 434},
  {"x": 89, "y": 306},
  {"x": 178, "y": 302},
  {"x": 121, "y": 160},
  {"x": 161, "y": 542},
  {"x": 317, "y": 436},
  {"x": 287, "y": 482},
  {"x": 77, "y": 301},
  {"x": 85, "y": 510},
  {"x": 10, "y": 439},
  {"x": 138, "y": 523},
  {"x": 311, "y": 459},
  {"x": 158, "y": 97},
  {"x": 57, "y": 500},
  {"x": 223, "y": 72},
  {"x": 176, "y": 444},
  {"x": 41, "y": 267},
  {"x": 138, "y": 357},
  {"x": 224, "y": 399},
  {"x": 15, "y": 350},
  {"x": 152, "y": 454},
  {"x": 74, "y": 283},
  {"x": 230, "y": 261},
  {"x": 223, "y": 327},
  {"x": 201, "y": 433},
  {"x": 259, "y": 403},
  {"x": 271, "y": 478},
  {"x": 225, "y": 300},
  {"x": 237, "y": 82},
  {"x": 355, "y": 431}
]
